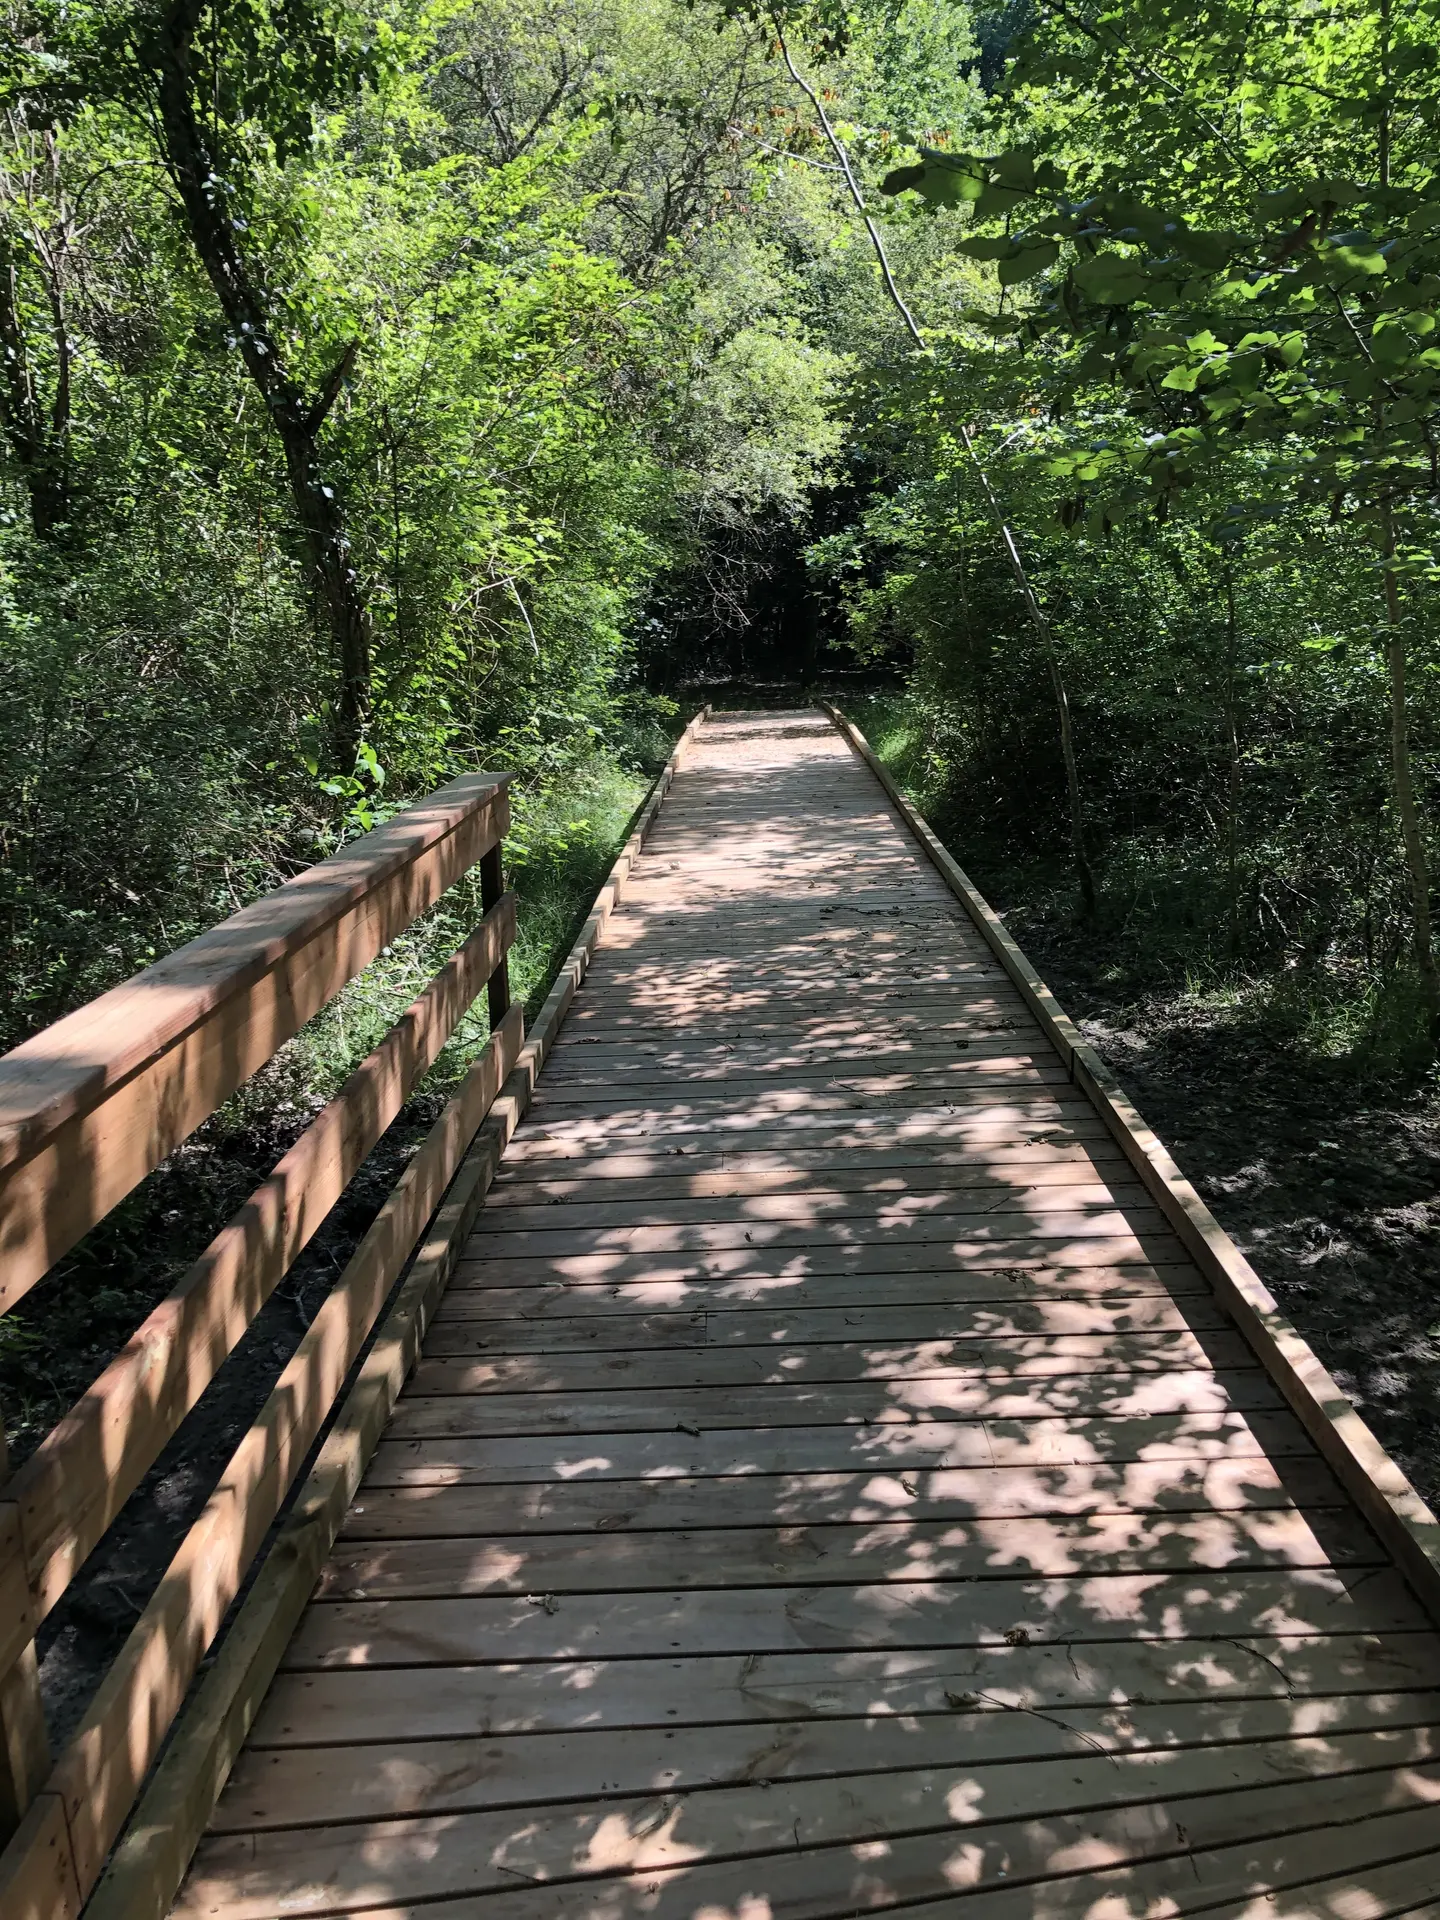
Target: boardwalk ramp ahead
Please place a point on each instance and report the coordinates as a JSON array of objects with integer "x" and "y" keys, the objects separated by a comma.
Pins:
[{"x": 836, "y": 1481}]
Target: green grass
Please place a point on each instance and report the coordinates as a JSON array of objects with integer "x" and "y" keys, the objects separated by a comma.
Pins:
[
  {"x": 894, "y": 729},
  {"x": 562, "y": 843}
]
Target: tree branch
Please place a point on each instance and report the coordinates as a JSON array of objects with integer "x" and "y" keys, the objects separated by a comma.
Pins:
[{"x": 330, "y": 392}]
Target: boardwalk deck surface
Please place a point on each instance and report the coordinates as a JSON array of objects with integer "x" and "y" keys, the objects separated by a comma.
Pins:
[{"x": 828, "y": 1486}]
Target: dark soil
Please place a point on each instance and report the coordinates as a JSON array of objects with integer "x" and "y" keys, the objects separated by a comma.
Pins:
[{"x": 1329, "y": 1183}]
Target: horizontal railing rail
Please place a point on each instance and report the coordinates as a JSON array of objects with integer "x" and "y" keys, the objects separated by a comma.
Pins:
[
  {"x": 97, "y": 1101},
  {"x": 90, "y": 1107}
]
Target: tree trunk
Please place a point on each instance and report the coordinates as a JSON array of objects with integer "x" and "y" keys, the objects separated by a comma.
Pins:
[
  {"x": 1079, "y": 850},
  {"x": 197, "y": 169},
  {"x": 1412, "y": 830},
  {"x": 39, "y": 436},
  {"x": 1232, "y": 741}
]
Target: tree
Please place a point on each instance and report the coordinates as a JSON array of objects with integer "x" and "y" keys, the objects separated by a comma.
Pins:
[
  {"x": 1230, "y": 243},
  {"x": 220, "y": 81}
]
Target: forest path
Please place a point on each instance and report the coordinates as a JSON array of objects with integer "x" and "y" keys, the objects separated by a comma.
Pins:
[{"x": 829, "y": 1485}]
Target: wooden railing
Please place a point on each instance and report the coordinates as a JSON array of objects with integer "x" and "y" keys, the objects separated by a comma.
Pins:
[{"x": 89, "y": 1108}]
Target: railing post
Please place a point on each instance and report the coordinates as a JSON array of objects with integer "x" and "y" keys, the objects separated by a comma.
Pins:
[
  {"x": 492, "y": 885},
  {"x": 24, "y": 1743}
]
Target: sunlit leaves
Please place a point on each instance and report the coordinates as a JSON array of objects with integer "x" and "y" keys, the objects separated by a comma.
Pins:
[{"x": 942, "y": 179}]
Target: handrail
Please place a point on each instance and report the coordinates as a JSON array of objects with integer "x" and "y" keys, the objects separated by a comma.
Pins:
[
  {"x": 97, "y": 1101},
  {"x": 86, "y": 1110},
  {"x": 82, "y": 1473}
]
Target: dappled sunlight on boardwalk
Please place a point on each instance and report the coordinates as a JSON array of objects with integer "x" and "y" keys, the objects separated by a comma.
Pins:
[{"x": 828, "y": 1486}]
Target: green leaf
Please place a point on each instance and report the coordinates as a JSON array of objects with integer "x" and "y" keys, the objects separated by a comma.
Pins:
[
  {"x": 943, "y": 179},
  {"x": 1111, "y": 279},
  {"x": 1015, "y": 169},
  {"x": 989, "y": 247},
  {"x": 995, "y": 202},
  {"x": 1355, "y": 253},
  {"x": 1028, "y": 262},
  {"x": 1209, "y": 250},
  {"x": 903, "y": 179},
  {"x": 1284, "y": 204}
]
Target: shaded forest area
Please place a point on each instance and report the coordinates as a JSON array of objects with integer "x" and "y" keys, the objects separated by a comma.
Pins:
[{"x": 390, "y": 388}]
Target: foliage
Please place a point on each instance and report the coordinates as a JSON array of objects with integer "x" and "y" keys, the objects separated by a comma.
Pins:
[
  {"x": 540, "y": 402},
  {"x": 1178, "y": 276},
  {"x": 602, "y": 349}
]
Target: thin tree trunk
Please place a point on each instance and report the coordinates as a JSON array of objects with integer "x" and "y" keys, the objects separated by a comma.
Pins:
[
  {"x": 1080, "y": 852},
  {"x": 1232, "y": 735},
  {"x": 1412, "y": 830},
  {"x": 197, "y": 169},
  {"x": 39, "y": 436}
]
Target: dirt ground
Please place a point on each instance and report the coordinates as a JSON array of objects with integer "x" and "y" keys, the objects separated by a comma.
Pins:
[{"x": 1330, "y": 1186}]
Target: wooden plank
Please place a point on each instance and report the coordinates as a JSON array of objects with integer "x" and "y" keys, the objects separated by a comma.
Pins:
[
  {"x": 1099, "y": 1417},
  {"x": 913, "y": 1613},
  {"x": 816, "y": 1205},
  {"x": 821, "y": 1551},
  {"x": 637, "y": 1180},
  {"x": 548, "y": 1154},
  {"x": 772, "y": 1126},
  {"x": 687, "y": 987},
  {"x": 1194, "y": 1484},
  {"x": 976, "y": 1060},
  {"x": 470, "y": 1328},
  {"x": 822, "y": 1088},
  {"x": 37, "y": 1873},
  {"x": 952, "y": 1881},
  {"x": 548, "y": 1160},
  {"x": 1009, "y": 1290},
  {"x": 146, "y": 1869},
  {"x": 1061, "y": 1356},
  {"x": 1019, "y": 1818},
  {"x": 100, "y": 1773},
  {"x": 97, "y": 1101},
  {"x": 1007, "y": 1227},
  {"x": 1374, "y": 1480},
  {"x": 24, "y": 1745},
  {"x": 844, "y": 1039},
  {"x": 24, "y": 1738},
  {"x": 898, "y": 1009},
  {"x": 552, "y": 1318},
  {"x": 279, "y": 1787},
  {"x": 83, "y": 1472},
  {"x": 1082, "y": 1266},
  {"x": 981, "y": 1127},
  {"x": 359, "y": 1704}
]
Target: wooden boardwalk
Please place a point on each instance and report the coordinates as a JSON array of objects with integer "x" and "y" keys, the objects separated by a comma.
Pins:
[{"x": 829, "y": 1486}]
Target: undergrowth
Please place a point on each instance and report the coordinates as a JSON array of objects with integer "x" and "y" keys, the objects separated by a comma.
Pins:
[{"x": 1163, "y": 926}]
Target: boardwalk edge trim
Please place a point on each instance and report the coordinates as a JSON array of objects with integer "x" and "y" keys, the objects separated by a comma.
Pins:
[
  {"x": 1374, "y": 1480},
  {"x": 151, "y": 1860}
]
